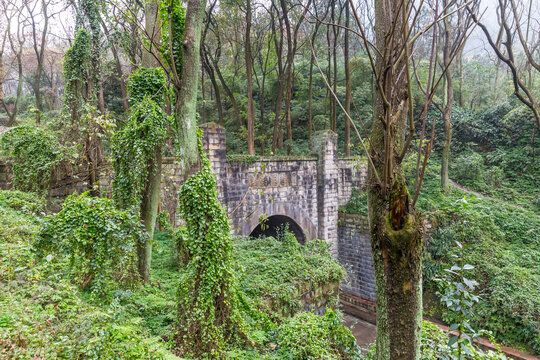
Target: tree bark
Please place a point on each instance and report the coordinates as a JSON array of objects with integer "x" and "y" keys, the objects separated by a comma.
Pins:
[
  {"x": 249, "y": 65},
  {"x": 185, "y": 108},
  {"x": 447, "y": 111},
  {"x": 347, "y": 137},
  {"x": 394, "y": 226}
]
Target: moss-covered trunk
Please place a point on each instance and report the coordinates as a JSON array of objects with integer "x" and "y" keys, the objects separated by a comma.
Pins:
[
  {"x": 395, "y": 227},
  {"x": 185, "y": 108}
]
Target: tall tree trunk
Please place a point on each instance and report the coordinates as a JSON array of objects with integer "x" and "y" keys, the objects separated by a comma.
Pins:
[
  {"x": 394, "y": 226},
  {"x": 281, "y": 84},
  {"x": 186, "y": 93},
  {"x": 152, "y": 189},
  {"x": 203, "y": 96},
  {"x": 449, "y": 104},
  {"x": 333, "y": 102},
  {"x": 310, "y": 97},
  {"x": 288, "y": 74},
  {"x": 347, "y": 139},
  {"x": 249, "y": 65}
]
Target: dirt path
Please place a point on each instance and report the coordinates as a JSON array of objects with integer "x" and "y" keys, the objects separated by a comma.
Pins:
[{"x": 461, "y": 187}]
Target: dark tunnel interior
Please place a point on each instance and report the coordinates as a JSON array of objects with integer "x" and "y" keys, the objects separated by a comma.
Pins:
[{"x": 273, "y": 224}]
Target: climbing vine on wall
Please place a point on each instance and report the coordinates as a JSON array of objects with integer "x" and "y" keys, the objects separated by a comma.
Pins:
[
  {"x": 33, "y": 152},
  {"x": 134, "y": 147},
  {"x": 209, "y": 299}
]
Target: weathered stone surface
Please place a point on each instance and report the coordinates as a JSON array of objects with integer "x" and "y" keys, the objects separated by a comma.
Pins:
[{"x": 355, "y": 255}]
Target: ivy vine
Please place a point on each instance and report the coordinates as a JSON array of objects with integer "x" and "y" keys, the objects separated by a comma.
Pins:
[
  {"x": 173, "y": 17},
  {"x": 33, "y": 153},
  {"x": 135, "y": 146},
  {"x": 209, "y": 299},
  {"x": 98, "y": 240},
  {"x": 76, "y": 66}
]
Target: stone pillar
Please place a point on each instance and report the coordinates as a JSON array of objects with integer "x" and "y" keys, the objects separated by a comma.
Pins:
[
  {"x": 324, "y": 145},
  {"x": 214, "y": 145}
]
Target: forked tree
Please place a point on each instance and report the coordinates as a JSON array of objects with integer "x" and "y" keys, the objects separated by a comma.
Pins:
[{"x": 395, "y": 225}]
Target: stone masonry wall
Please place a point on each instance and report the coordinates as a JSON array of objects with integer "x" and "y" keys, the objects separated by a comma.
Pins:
[
  {"x": 352, "y": 175},
  {"x": 355, "y": 255}
]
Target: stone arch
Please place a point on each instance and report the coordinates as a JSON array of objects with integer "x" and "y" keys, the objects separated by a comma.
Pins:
[
  {"x": 246, "y": 226},
  {"x": 272, "y": 225}
]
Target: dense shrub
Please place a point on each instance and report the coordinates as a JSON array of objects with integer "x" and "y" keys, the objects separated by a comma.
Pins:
[
  {"x": 468, "y": 167},
  {"x": 358, "y": 204},
  {"x": 275, "y": 271},
  {"x": 25, "y": 202},
  {"x": 308, "y": 336},
  {"x": 98, "y": 240},
  {"x": 34, "y": 152}
]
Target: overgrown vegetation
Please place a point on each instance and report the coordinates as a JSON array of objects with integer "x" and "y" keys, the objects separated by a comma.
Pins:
[
  {"x": 33, "y": 152},
  {"x": 208, "y": 295},
  {"x": 504, "y": 241},
  {"x": 97, "y": 240},
  {"x": 44, "y": 312}
]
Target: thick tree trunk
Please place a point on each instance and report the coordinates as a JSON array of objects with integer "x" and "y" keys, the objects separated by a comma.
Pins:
[
  {"x": 394, "y": 226},
  {"x": 186, "y": 94},
  {"x": 249, "y": 65}
]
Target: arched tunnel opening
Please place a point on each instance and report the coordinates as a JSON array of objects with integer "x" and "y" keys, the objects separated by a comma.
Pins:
[{"x": 273, "y": 224}]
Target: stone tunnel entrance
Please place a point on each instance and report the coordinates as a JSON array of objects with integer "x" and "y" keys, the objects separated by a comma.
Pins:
[{"x": 275, "y": 223}]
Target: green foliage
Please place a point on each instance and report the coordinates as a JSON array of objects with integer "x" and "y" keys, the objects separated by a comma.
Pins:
[
  {"x": 173, "y": 17},
  {"x": 308, "y": 336},
  {"x": 243, "y": 159},
  {"x": 97, "y": 239},
  {"x": 33, "y": 152},
  {"x": 457, "y": 293},
  {"x": 468, "y": 167},
  {"x": 358, "y": 204},
  {"x": 147, "y": 82},
  {"x": 43, "y": 313},
  {"x": 22, "y": 201},
  {"x": 504, "y": 241},
  {"x": 434, "y": 346},
  {"x": 208, "y": 295},
  {"x": 136, "y": 147},
  {"x": 76, "y": 67},
  {"x": 278, "y": 273}
]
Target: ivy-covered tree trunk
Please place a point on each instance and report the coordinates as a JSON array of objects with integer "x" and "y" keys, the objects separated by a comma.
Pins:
[
  {"x": 152, "y": 188},
  {"x": 149, "y": 212},
  {"x": 395, "y": 228},
  {"x": 185, "y": 108}
]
